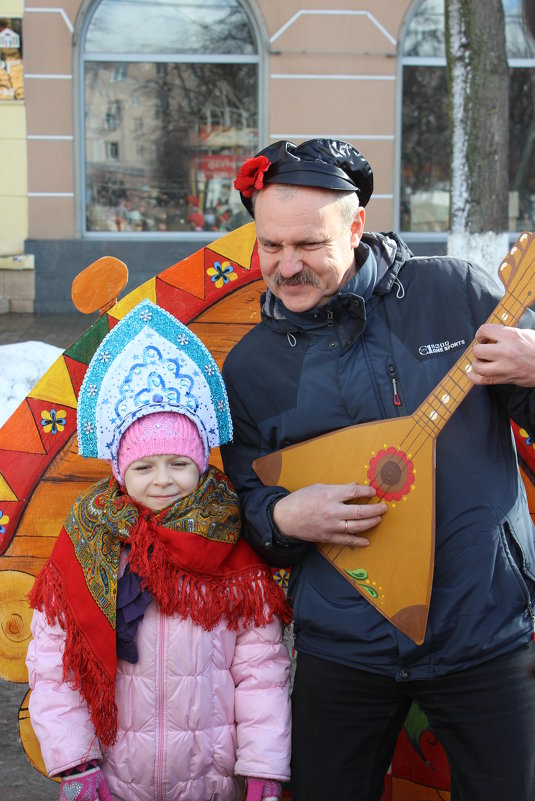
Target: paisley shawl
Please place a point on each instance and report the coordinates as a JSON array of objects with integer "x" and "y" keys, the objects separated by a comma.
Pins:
[{"x": 189, "y": 556}]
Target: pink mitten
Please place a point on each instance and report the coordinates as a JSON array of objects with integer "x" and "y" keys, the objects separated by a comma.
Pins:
[
  {"x": 263, "y": 790},
  {"x": 87, "y": 786}
]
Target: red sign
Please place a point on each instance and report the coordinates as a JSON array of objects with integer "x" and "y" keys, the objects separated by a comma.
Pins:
[{"x": 217, "y": 165}]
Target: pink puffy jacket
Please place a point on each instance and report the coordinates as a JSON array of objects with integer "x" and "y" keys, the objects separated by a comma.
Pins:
[{"x": 197, "y": 712}]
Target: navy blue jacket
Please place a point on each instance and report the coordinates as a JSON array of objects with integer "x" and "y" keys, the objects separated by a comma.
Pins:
[{"x": 375, "y": 351}]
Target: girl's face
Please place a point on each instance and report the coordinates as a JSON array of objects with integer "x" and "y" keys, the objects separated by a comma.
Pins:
[{"x": 158, "y": 481}]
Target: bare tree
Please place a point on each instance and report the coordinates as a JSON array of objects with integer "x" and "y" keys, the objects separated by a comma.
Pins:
[{"x": 478, "y": 83}]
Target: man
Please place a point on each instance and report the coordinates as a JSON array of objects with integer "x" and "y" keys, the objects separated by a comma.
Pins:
[{"x": 347, "y": 321}]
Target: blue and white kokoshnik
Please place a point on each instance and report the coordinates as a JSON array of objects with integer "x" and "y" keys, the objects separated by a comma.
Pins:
[{"x": 150, "y": 362}]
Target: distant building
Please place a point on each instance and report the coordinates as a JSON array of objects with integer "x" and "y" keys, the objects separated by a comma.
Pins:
[
  {"x": 9, "y": 38},
  {"x": 137, "y": 115}
]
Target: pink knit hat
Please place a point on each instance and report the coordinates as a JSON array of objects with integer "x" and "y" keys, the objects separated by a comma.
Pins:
[{"x": 158, "y": 434}]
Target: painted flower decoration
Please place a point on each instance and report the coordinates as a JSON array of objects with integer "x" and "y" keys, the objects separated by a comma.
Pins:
[
  {"x": 281, "y": 577},
  {"x": 391, "y": 474},
  {"x": 360, "y": 576},
  {"x": 251, "y": 175},
  {"x": 53, "y": 421},
  {"x": 524, "y": 434},
  {"x": 4, "y": 520},
  {"x": 221, "y": 273}
]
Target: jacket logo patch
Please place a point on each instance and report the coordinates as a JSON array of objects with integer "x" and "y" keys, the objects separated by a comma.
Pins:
[{"x": 439, "y": 347}]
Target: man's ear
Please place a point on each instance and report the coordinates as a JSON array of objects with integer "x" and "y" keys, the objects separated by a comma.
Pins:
[{"x": 357, "y": 226}]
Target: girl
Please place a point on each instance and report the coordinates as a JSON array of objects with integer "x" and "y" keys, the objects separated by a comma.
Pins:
[{"x": 157, "y": 667}]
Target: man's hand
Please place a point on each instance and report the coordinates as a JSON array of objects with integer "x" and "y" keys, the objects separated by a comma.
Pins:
[
  {"x": 321, "y": 513},
  {"x": 503, "y": 356}
]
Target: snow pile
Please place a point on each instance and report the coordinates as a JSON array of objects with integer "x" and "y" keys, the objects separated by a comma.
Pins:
[{"x": 21, "y": 366}]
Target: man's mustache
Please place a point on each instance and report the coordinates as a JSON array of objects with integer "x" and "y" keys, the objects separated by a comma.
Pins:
[{"x": 299, "y": 279}]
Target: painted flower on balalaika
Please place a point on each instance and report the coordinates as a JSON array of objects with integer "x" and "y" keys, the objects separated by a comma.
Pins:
[
  {"x": 251, "y": 175},
  {"x": 391, "y": 474}
]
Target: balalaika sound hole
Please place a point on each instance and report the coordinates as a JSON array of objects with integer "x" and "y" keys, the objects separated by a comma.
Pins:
[{"x": 391, "y": 474}]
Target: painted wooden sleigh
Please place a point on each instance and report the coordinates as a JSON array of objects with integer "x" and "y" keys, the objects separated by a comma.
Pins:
[{"x": 216, "y": 292}]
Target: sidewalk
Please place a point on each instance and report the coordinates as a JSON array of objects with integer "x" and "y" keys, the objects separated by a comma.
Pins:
[
  {"x": 54, "y": 329},
  {"x": 19, "y": 780}
]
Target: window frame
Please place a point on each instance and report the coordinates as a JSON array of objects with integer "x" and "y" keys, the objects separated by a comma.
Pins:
[
  {"x": 80, "y": 57},
  {"x": 423, "y": 61}
]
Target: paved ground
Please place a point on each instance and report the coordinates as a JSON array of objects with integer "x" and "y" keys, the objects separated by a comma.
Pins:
[
  {"x": 19, "y": 781},
  {"x": 60, "y": 330}
]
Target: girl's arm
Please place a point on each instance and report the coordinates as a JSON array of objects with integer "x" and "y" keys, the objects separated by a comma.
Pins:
[
  {"x": 59, "y": 715},
  {"x": 261, "y": 672}
]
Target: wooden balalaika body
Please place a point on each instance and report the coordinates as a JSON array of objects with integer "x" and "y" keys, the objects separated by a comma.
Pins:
[{"x": 397, "y": 458}]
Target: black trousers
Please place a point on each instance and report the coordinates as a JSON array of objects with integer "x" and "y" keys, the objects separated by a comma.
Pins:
[{"x": 346, "y": 722}]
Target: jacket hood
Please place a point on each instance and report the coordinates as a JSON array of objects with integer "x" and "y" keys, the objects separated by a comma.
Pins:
[{"x": 379, "y": 256}]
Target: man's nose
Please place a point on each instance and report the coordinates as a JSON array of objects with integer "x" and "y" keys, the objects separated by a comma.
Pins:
[{"x": 290, "y": 263}]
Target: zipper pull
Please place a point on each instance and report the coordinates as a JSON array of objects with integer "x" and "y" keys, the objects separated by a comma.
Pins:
[
  {"x": 330, "y": 317},
  {"x": 397, "y": 399},
  {"x": 393, "y": 375}
]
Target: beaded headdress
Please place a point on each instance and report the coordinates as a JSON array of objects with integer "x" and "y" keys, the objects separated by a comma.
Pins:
[{"x": 150, "y": 362}]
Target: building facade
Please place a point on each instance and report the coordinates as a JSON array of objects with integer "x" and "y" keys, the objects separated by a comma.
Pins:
[{"x": 123, "y": 123}]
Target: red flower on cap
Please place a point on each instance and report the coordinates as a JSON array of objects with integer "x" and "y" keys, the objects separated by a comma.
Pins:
[{"x": 251, "y": 175}]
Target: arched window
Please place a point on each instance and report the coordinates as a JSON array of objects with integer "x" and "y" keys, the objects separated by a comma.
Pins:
[
  {"x": 170, "y": 101},
  {"x": 424, "y": 202}
]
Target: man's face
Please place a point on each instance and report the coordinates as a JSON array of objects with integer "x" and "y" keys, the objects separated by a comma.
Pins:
[{"x": 306, "y": 250}]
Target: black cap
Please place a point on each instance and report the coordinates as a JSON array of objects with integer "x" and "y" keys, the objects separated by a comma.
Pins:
[{"x": 325, "y": 163}]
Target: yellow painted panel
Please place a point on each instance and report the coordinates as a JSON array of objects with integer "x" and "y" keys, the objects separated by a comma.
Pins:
[
  {"x": 146, "y": 290},
  {"x": 238, "y": 245},
  {"x": 12, "y": 8},
  {"x": 13, "y": 119},
  {"x": 14, "y": 172},
  {"x": 13, "y": 223},
  {"x": 37, "y": 544},
  {"x": 6, "y": 493},
  {"x": 56, "y": 386},
  {"x": 44, "y": 516},
  {"x": 15, "y": 617}
]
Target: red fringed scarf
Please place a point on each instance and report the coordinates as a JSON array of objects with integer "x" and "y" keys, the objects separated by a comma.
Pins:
[{"x": 189, "y": 556}]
